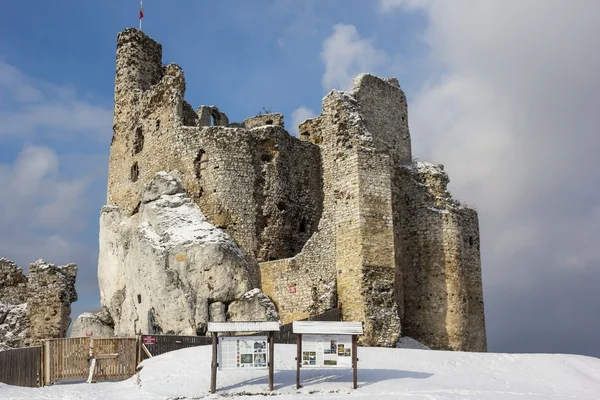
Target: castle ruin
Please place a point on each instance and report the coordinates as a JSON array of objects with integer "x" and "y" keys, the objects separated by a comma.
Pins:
[
  {"x": 339, "y": 217},
  {"x": 36, "y": 306}
]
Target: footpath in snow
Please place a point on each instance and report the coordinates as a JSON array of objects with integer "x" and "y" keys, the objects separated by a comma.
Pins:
[{"x": 383, "y": 374}]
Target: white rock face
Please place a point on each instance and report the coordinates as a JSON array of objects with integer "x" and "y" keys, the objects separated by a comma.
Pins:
[
  {"x": 162, "y": 269},
  {"x": 97, "y": 325},
  {"x": 253, "y": 306}
]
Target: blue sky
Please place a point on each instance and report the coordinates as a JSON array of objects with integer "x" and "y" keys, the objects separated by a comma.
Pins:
[{"x": 504, "y": 94}]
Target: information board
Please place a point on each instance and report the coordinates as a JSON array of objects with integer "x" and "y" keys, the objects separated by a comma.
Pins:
[
  {"x": 331, "y": 351},
  {"x": 243, "y": 352}
]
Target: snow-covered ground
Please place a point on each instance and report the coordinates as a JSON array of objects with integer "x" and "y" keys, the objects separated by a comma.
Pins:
[{"x": 383, "y": 374}]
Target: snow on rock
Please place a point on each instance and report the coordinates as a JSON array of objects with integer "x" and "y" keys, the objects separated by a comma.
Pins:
[
  {"x": 35, "y": 306},
  {"x": 406, "y": 342},
  {"x": 383, "y": 373},
  {"x": 161, "y": 268},
  {"x": 253, "y": 306},
  {"x": 13, "y": 325}
]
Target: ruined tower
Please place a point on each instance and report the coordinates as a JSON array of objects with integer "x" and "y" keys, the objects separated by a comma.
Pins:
[{"x": 340, "y": 217}]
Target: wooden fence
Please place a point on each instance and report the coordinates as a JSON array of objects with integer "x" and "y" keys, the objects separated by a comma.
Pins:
[
  {"x": 160, "y": 344},
  {"x": 21, "y": 367},
  {"x": 66, "y": 359},
  {"x": 69, "y": 359},
  {"x": 115, "y": 358}
]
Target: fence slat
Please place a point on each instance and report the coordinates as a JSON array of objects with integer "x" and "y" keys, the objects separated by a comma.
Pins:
[{"x": 20, "y": 366}]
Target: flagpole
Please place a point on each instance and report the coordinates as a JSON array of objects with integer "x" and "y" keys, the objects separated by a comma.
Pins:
[{"x": 141, "y": 13}]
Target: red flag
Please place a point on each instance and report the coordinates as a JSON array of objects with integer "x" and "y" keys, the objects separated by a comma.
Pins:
[{"x": 141, "y": 10}]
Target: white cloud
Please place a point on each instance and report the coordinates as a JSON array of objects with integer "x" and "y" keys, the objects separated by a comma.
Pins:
[
  {"x": 346, "y": 55},
  {"x": 33, "y": 107},
  {"x": 36, "y": 196},
  {"x": 389, "y": 5},
  {"x": 45, "y": 199},
  {"x": 299, "y": 116},
  {"x": 514, "y": 118}
]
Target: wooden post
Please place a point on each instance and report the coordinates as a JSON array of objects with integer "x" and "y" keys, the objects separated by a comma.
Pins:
[
  {"x": 213, "y": 364},
  {"x": 139, "y": 352},
  {"x": 41, "y": 381},
  {"x": 354, "y": 361},
  {"x": 298, "y": 359},
  {"x": 271, "y": 359}
]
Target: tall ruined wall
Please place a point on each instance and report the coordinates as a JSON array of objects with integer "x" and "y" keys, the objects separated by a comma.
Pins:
[
  {"x": 37, "y": 306},
  {"x": 261, "y": 185},
  {"x": 355, "y": 241},
  {"x": 441, "y": 267}
]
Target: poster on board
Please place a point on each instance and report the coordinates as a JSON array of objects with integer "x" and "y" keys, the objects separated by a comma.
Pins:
[
  {"x": 331, "y": 351},
  {"x": 243, "y": 352}
]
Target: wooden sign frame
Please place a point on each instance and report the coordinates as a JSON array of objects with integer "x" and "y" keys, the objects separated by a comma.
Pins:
[
  {"x": 322, "y": 328},
  {"x": 221, "y": 327}
]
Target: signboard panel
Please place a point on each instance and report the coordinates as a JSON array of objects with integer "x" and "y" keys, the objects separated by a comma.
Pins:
[
  {"x": 243, "y": 352},
  {"x": 148, "y": 339},
  {"x": 329, "y": 351}
]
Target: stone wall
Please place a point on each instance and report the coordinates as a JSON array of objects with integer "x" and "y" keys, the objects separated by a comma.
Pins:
[
  {"x": 253, "y": 180},
  {"x": 341, "y": 213},
  {"x": 37, "y": 306},
  {"x": 441, "y": 267}
]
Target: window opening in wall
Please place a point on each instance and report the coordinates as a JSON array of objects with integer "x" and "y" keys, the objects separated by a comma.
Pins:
[
  {"x": 302, "y": 227},
  {"x": 269, "y": 122},
  {"x": 138, "y": 141},
  {"x": 470, "y": 240},
  {"x": 157, "y": 124},
  {"x": 139, "y": 296},
  {"x": 200, "y": 163},
  {"x": 135, "y": 172}
]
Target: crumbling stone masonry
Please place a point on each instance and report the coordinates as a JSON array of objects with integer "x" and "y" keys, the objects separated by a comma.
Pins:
[
  {"x": 339, "y": 217},
  {"x": 37, "y": 306}
]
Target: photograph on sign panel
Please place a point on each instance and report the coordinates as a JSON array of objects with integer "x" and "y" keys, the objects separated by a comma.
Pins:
[
  {"x": 309, "y": 358},
  {"x": 260, "y": 347},
  {"x": 333, "y": 346},
  {"x": 347, "y": 353},
  {"x": 305, "y": 357},
  {"x": 340, "y": 351},
  {"x": 260, "y": 360},
  {"x": 246, "y": 359},
  {"x": 330, "y": 362}
]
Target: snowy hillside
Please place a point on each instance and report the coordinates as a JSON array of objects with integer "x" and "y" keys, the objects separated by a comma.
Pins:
[{"x": 383, "y": 374}]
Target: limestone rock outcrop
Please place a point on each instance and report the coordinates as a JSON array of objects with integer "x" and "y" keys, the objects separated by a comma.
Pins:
[
  {"x": 97, "y": 325},
  {"x": 253, "y": 306},
  {"x": 37, "y": 306},
  {"x": 165, "y": 269}
]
